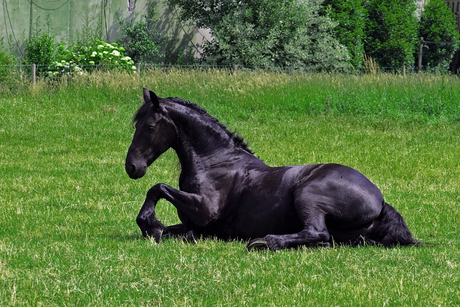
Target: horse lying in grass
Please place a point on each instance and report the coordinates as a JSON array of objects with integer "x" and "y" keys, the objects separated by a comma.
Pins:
[{"x": 228, "y": 193}]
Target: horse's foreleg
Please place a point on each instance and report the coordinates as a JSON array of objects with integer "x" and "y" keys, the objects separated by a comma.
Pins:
[
  {"x": 175, "y": 231},
  {"x": 179, "y": 231},
  {"x": 189, "y": 204},
  {"x": 147, "y": 221}
]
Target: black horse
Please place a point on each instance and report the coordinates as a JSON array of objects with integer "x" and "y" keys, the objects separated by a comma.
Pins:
[{"x": 228, "y": 193}]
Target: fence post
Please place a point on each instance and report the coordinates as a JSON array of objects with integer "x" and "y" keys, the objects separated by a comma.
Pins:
[
  {"x": 138, "y": 69},
  {"x": 420, "y": 55},
  {"x": 34, "y": 73}
]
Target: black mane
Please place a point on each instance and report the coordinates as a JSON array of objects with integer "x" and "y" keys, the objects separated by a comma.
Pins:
[{"x": 237, "y": 139}]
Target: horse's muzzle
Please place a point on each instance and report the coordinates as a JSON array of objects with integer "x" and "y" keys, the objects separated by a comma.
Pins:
[{"x": 134, "y": 170}]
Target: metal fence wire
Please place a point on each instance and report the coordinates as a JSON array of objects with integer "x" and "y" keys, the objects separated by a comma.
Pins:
[{"x": 35, "y": 71}]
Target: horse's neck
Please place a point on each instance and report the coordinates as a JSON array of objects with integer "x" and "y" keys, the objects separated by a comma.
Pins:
[
  {"x": 195, "y": 168},
  {"x": 205, "y": 156},
  {"x": 209, "y": 151},
  {"x": 202, "y": 143}
]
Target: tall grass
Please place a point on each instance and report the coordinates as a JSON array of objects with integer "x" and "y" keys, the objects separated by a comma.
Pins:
[
  {"x": 68, "y": 232},
  {"x": 421, "y": 97}
]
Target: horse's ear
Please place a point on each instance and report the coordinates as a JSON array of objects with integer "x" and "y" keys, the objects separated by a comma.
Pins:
[
  {"x": 154, "y": 99},
  {"x": 151, "y": 97}
]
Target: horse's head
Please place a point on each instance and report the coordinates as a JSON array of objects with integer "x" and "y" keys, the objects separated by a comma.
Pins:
[{"x": 155, "y": 133}]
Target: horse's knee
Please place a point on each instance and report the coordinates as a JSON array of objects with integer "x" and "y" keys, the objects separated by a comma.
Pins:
[
  {"x": 145, "y": 219},
  {"x": 153, "y": 194}
]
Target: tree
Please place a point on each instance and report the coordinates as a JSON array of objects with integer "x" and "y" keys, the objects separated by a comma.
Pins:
[
  {"x": 257, "y": 33},
  {"x": 438, "y": 24},
  {"x": 391, "y": 32},
  {"x": 141, "y": 39},
  {"x": 351, "y": 17}
]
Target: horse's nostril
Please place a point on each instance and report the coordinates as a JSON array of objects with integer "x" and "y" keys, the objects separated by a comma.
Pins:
[{"x": 130, "y": 168}]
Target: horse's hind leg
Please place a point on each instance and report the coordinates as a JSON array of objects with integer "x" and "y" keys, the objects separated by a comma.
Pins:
[
  {"x": 311, "y": 236},
  {"x": 307, "y": 237},
  {"x": 314, "y": 233}
]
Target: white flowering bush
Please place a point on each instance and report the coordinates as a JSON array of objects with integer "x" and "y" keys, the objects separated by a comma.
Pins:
[{"x": 97, "y": 55}]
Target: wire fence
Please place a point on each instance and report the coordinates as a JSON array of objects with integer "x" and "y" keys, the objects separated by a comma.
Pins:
[
  {"x": 454, "y": 65},
  {"x": 35, "y": 71}
]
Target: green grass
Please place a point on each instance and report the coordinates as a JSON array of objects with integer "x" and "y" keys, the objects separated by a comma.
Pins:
[{"x": 68, "y": 233}]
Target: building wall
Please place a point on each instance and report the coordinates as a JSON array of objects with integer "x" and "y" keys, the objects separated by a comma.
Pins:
[
  {"x": 18, "y": 19},
  {"x": 454, "y": 6}
]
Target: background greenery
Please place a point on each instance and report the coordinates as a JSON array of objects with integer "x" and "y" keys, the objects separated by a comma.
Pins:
[
  {"x": 286, "y": 33},
  {"x": 391, "y": 32},
  {"x": 6, "y": 62},
  {"x": 437, "y": 25},
  {"x": 321, "y": 35},
  {"x": 141, "y": 39},
  {"x": 82, "y": 59},
  {"x": 350, "y": 31},
  {"x": 68, "y": 212}
]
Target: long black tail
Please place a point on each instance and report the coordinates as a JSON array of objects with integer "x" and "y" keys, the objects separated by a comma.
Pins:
[{"x": 390, "y": 229}]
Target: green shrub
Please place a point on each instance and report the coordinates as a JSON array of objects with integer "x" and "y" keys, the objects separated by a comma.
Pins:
[
  {"x": 391, "y": 32},
  {"x": 40, "y": 46},
  {"x": 438, "y": 24},
  {"x": 8, "y": 76},
  {"x": 97, "y": 55},
  {"x": 141, "y": 39},
  {"x": 351, "y": 16},
  {"x": 39, "y": 49},
  {"x": 288, "y": 33},
  {"x": 6, "y": 62}
]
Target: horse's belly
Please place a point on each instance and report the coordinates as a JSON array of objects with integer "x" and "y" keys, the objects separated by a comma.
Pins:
[{"x": 258, "y": 218}]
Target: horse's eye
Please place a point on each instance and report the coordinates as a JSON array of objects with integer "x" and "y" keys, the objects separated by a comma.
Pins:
[{"x": 151, "y": 127}]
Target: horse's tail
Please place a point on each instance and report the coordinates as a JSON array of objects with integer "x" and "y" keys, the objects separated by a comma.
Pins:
[{"x": 390, "y": 229}]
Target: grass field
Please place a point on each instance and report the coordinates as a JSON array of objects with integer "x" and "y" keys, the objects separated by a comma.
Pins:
[{"x": 68, "y": 233}]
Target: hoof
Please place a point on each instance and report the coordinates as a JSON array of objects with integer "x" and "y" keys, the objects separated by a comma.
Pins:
[
  {"x": 257, "y": 245},
  {"x": 156, "y": 234},
  {"x": 151, "y": 229},
  {"x": 190, "y": 237}
]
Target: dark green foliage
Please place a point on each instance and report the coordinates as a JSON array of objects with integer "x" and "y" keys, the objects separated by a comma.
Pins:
[
  {"x": 391, "y": 32},
  {"x": 141, "y": 39},
  {"x": 203, "y": 13},
  {"x": 438, "y": 24},
  {"x": 40, "y": 47},
  {"x": 40, "y": 50},
  {"x": 351, "y": 16},
  {"x": 6, "y": 62},
  {"x": 9, "y": 80},
  {"x": 286, "y": 33}
]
